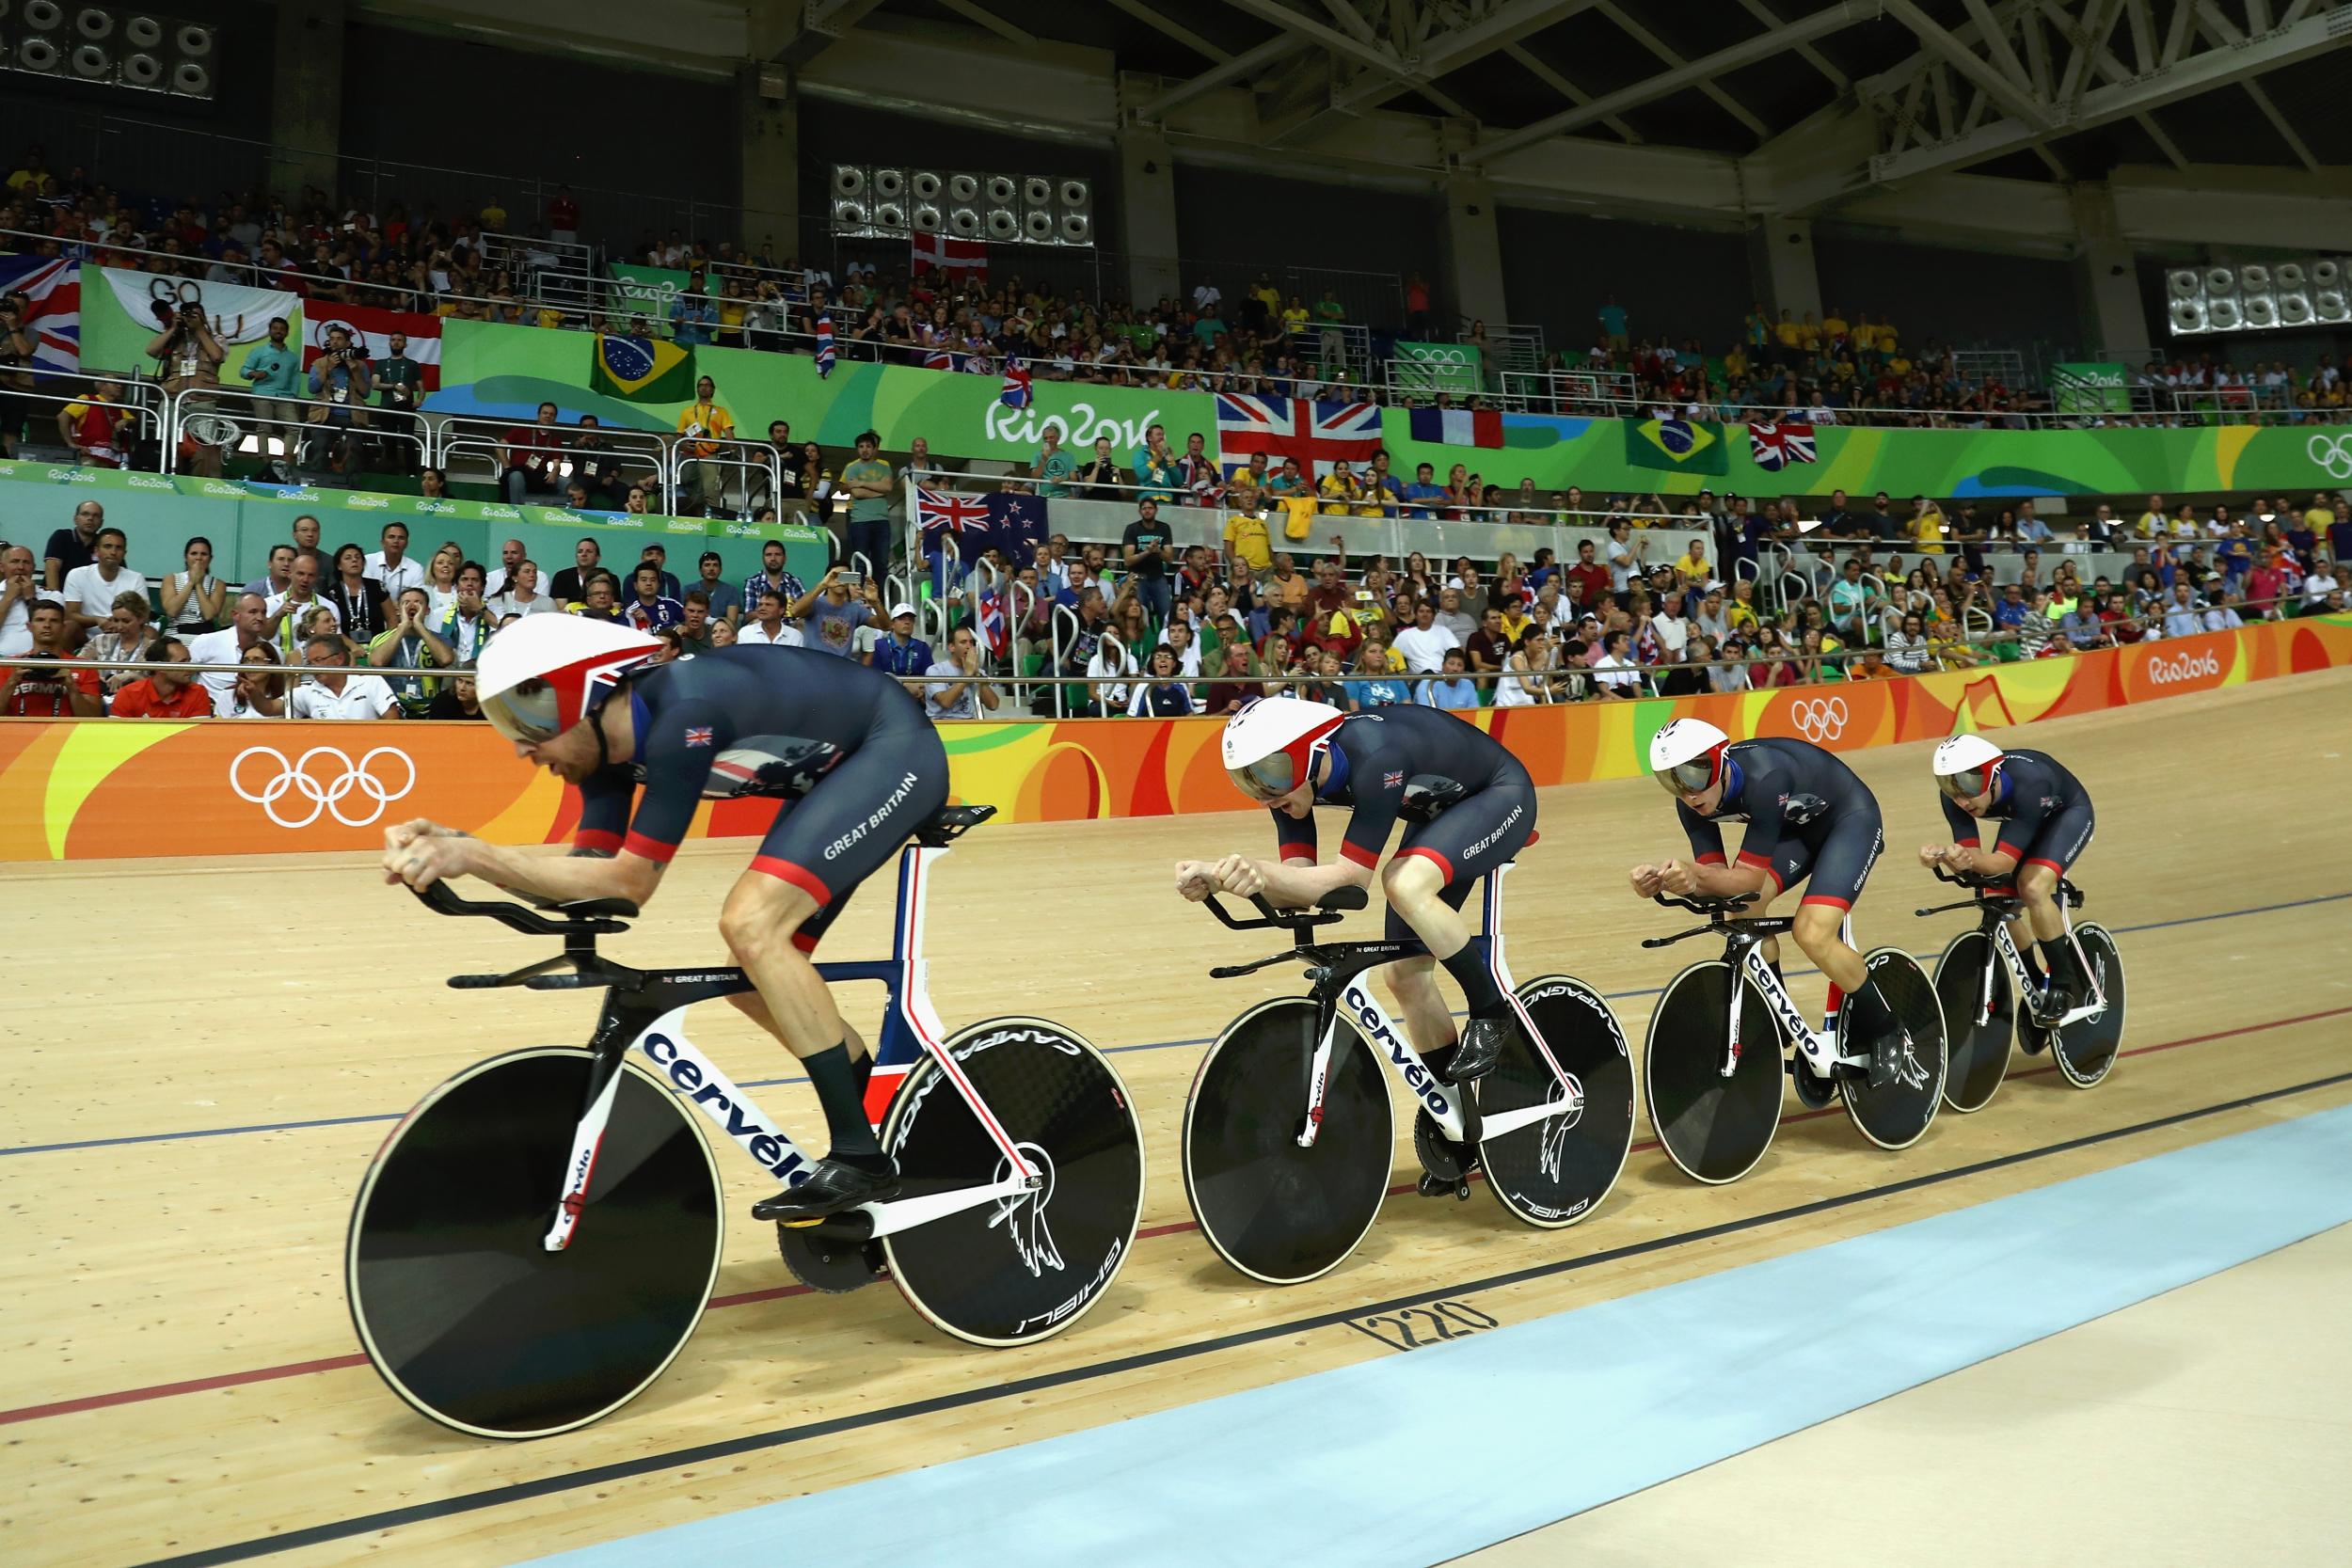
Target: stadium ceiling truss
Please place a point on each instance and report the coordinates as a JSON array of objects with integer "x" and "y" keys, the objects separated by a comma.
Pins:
[{"x": 1963, "y": 83}]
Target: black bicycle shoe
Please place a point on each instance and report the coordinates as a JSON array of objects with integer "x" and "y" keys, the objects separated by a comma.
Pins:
[
  {"x": 1480, "y": 1049},
  {"x": 2046, "y": 1006},
  {"x": 831, "y": 1188},
  {"x": 1886, "y": 1056}
]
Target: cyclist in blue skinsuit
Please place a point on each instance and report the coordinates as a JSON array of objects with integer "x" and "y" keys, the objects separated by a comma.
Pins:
[
  {"x": 2046, "y": 823},
  {"x": 1807, "y": 816},
  {"x": 846, "y": 748}
]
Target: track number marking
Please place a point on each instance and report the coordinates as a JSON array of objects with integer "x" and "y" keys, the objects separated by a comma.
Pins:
[{"x": 1412, "y": 1327}]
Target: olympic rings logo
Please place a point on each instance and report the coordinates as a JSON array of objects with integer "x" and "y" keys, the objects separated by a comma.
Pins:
[
  {"x": 1820, "y": 719},
  {"x": 2332, "y": 453},
  {"x": 324, "y": 794}
]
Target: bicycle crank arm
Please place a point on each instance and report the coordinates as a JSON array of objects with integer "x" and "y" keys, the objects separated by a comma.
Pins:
[
  {"x": 1511, "y": 1121},
  {"x": 905, "y": 1214}
]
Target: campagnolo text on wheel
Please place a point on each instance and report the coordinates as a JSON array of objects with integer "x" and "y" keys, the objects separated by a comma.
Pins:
[
  {"x": 537, "y": 1238},
  {"x": 1288, "y": 1134},
  {"x": 1712, "y": 1066}
]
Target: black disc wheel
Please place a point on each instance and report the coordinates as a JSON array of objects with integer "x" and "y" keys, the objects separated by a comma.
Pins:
[
  {"x": 1552, "y": 1173},
  {"x": 2085, "y": 1050},
  {"x": 1716, "y": 1128},
  {"x": 1979, "y": 1019},
  {"x": 1027, "y": 1266},
  {"x": 1277, "y": 1212},
  {"x": 459, "y": 1304},
  {"x": 1897, "y": 1114}
]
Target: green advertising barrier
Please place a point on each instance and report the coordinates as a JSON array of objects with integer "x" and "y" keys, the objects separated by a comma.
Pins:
[
  {"x": 505, "y": 371},
  {"x": 1456, "y": 368},
  {"x": 501, "y": 372},
  {"x": 158, "y": 513},
  {"x": 649, "y": 290}
]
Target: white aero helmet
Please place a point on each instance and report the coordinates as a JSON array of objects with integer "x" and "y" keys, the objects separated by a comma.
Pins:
[
  {"x": 544, "y": 674},
  {"x": 1964, "y": 765},
  {"x": 1687, "y": 756},
  {"x": 1271, "y": 743}
]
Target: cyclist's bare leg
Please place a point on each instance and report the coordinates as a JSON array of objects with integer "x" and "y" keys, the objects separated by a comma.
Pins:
[
  {"x": 1412, "y": 886},
  {"x": 757, "y": 922},
  {"x": 1415, "y": 888},
  {"x": 1816, "y": 931},
  {"x": 1413, "y": 984},
  {"x": 750, "y": 1005},
  {"x": 2038, "y": 886}
]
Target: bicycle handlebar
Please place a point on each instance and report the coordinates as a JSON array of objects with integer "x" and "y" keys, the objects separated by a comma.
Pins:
[
  {"x": 594, "y": 917},
  {"x": 1334, "y": 905},
  {"x": 1698, "y": 905}
]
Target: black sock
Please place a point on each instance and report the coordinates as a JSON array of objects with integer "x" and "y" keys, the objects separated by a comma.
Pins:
[
  {"x": 2034, "y": 971},
  {"x": 1469, "y": 970},
  {"x": 2060, "y": 956},
  {"x": 1871, "y": 1015},
  {"x": 840, "y": 1093},
  {"x": 1439, "y": 1060},
  {"x": 1774, "y": 964}
]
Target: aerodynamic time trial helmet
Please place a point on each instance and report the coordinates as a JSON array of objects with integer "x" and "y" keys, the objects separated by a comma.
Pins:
[
  {"x": 1687, "y": 756},
  {"x": 1965, "y": 766},
  {"x": 544, "y": 674},
  {"x": 1270, "y": 745}
]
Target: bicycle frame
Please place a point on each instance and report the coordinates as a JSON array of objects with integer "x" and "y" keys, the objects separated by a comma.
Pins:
[
  {"x": 1446, "y": 1103},
  {"x": 646, "y": 1019},
  {"x": 1995, "y": 920}
]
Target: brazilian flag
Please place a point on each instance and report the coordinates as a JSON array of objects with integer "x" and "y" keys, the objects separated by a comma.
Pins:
[
  {"x": 642, "y": 370},
  {"x": 1677, "y": 446}
]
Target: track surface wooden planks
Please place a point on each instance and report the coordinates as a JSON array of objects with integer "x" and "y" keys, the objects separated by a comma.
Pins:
[{"x": 180, "y": 1376}]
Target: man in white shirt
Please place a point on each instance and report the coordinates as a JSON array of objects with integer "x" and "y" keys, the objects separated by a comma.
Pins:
[
  {"x": 2181, "y": 616},
  {"x": 300, "y": 597},
  {"x": 226, "y": 647},
  {"x": 391, "y": 566},
  {"x": 90, "y": 590},
  {"x": 340, "y": 696},
  {"x": 1205, "y": 297},
  {"x": 17, "y": 594},
  {"x": 767, "y": 624},
  {"x": 1672, "y": 630},
  {"x": 1423, "y": 645},
  {"x": 510, "y": 557}
]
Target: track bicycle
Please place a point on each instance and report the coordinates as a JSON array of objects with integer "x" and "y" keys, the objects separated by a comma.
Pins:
[
  {"x": 1711, "y": 1066},
  {"x": 1982, "y": 975},
  {"x": 535, "y": 1242},
  {"x": 1289, "y": 1132}
]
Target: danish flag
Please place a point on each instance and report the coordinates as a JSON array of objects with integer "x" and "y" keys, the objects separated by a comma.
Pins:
[{"x": 951, "y": 256}]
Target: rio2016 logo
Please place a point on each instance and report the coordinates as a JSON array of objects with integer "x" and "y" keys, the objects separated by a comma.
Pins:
[{"x": 2184, "y": 667}]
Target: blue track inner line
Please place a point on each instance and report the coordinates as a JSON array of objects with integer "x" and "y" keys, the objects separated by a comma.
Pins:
[
  {"x": 1114, "y": 1050},
  {"x": 1575, "y": 1409}
]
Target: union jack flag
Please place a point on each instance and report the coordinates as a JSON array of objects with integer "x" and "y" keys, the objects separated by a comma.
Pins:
[
  {"x": 698, "y": 734},
  {"x": 1016, "y": 392},
  {"x": 55, "y": 321},
  {"x": 1776, "y": 446},
  {"x": 993, "y": 629},
  {"x": 1391, "y": 780},
  {"x": 824, "y": 346},
  {"x": 938, "y": 511},
  {"x": 1317, "y": 434},
  {"x": 939, "y": 359}
]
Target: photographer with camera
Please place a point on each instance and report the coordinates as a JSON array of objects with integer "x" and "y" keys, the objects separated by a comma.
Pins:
[
  {"x": 341, "y": 380},
  {"x": 187, "y": 358}
]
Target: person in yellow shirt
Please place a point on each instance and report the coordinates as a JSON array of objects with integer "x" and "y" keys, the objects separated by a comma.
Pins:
[
  {"x": 1809, "y": 333},
  {"x": 1927, "y": 528},
  {"x": 701, "y": 426},
  {"x": 1293, "y": 315},
  {"x": 2154, "y": 524},
  {"x": 1866, "y": 336},
  {"x": 1833, "y": 325},
  {"x": 1735, "y": 363},
  {"x": 1896, "y": 365},
  {"x": 1886, "y": 335},
  {"x": 1340, "y": 489},
  {"x": 1247, "y": 548},
  {"x": 1785, "y": 332}
]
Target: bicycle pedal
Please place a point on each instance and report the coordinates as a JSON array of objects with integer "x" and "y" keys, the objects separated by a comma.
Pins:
[{"x": 1433, "y": 1185}]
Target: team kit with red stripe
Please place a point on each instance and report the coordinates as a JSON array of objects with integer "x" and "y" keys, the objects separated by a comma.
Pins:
[
  {"x": 843, "y": 745},
  {"x": 2044, "y": 813},
  {"x": 1807, "y": 816}
]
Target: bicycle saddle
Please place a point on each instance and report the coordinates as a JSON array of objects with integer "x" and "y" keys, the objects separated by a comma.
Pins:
[
  {"x": 1344, "y": 898},
  {"x": 948, "y": 823},
  {"x": 594, "y": 909}
]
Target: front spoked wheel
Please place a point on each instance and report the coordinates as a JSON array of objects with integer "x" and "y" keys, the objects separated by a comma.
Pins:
[
  {"x": 1899, "y": 1115},
  {"x": 1553, "y": 1172},
  {"x": 1277, "y": 1212},
  {"x": 458, "y": 1305},
  {"x": 1977, "y": 1035},
  {"x": 2085, "y": 1050},
  {"x": 1025, "y": 1267},
  {"x": 1715, "y": 1128}
]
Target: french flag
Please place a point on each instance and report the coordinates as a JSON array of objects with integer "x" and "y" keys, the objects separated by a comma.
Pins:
[
  {"x": 824, "y": 346},
  {"x": 1457, "y": 427}
]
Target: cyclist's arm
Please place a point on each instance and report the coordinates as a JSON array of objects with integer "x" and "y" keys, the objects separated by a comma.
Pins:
[
  {"x": 1711, "y": 877},
  {"x": 1297, "y": 836}
]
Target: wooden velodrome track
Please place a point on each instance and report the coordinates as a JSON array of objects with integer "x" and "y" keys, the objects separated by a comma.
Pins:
[{"x": 200, "y": 1058}]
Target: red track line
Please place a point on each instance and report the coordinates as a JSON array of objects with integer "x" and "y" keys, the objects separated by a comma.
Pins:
[{"x": 341, "y": 1363}]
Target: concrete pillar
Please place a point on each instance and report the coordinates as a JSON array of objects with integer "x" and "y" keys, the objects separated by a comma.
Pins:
[
  {"x": 2106, "y": 280},
  {"x": 1780, "y": 267},
  {"x": 1470, "y": 258},
  {"x": 769, "y": 114},
  {"x": 1147, "y": 215},
  {"x": 306, "y": 99}
]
